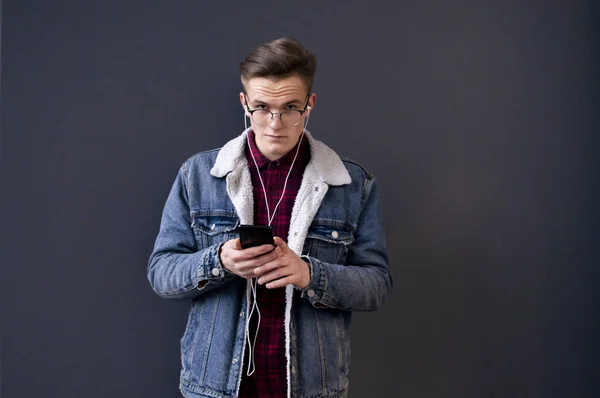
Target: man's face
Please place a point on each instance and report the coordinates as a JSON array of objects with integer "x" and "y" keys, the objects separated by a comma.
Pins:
[{"x": 277, "y": 137}]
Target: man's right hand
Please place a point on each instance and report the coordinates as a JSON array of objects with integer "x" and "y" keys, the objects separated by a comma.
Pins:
[{"x": 242, "y": 262}]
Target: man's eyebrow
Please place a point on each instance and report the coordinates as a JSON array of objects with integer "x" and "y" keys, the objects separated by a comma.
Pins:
[
  {"x": 258, "y": 101},
  {"x": 294, "y": 102},
  {"x": 255, "y": 102}
]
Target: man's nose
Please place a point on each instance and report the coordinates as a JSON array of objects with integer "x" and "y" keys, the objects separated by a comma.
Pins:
[{"x": 276, "y": 121}]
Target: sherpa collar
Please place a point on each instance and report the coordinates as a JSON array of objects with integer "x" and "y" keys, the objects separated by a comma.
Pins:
[{"x": 327, "y": 163}]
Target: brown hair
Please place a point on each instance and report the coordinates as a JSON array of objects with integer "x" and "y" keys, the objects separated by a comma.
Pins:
[{"x": 280, "y": 58}]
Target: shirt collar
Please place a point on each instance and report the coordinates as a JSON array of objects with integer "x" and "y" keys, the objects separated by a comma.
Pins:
[{"x": 285, "y": 161}]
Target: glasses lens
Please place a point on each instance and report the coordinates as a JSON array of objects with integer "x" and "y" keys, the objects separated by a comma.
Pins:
[
  {"x": 261, "y": 117},
  {"x": 291, "y": 117}
]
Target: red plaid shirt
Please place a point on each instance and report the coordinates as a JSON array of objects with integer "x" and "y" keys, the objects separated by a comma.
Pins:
[{"x": 270, "y": 378}]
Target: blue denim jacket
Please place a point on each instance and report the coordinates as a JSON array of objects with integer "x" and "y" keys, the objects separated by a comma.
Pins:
[{"x": 336, "y": 224}]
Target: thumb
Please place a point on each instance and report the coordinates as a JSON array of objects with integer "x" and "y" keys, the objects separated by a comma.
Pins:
[
  {"x": 280, "y": 243},
  {"x": 237, "y": 244}
]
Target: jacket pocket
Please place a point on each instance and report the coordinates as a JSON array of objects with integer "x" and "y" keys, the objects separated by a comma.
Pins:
[
  {"x": 214, "y": 227},
  {"x": 328, "y": 241}
]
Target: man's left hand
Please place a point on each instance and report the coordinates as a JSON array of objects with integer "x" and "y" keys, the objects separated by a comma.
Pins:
[{"x": 286, "y": 269}]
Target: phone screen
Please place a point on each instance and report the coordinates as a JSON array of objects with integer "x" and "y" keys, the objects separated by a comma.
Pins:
[{"x": 255, "y": 235}]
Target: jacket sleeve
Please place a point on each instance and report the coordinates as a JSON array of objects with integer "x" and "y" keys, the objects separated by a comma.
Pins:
[
  {"x": 364, "y": 283},
  {"x": 177, "y": 269}
]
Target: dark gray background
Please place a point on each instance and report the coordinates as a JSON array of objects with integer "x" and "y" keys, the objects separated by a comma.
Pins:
[{"x": 478, "y": 119}]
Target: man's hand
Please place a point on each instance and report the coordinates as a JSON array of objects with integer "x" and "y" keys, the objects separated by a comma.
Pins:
[
  {"x": 243, "y": 262},
  {"x": 287, "y": 268}
]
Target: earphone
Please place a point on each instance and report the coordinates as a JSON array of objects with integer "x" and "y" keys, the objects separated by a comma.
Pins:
[{"x": 254, "y": 281}]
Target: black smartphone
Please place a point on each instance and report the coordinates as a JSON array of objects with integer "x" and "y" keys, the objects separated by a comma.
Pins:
[{"x": 255, "y": 235}]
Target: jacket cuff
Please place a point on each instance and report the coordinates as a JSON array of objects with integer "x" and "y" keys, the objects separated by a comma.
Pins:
[
  {"x": 317, "y": 287},
  {"x": 210, "y": 268}
]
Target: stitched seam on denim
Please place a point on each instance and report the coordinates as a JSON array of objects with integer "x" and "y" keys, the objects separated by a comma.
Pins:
[{"x": 210, "y": 339}]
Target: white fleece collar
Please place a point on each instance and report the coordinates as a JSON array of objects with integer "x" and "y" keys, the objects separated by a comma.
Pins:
[{"x": 327, "y": 163}]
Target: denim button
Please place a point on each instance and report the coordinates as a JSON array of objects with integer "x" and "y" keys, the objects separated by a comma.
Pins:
[
  {"x": 335, "y": 234},
  {"x": 215, "y": 271},
  {"x": 310, "y": 293},
  {"x": 234, "y": 361}
]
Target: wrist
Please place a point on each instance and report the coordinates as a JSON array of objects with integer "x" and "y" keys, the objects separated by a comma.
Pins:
[{"x": 307, "y": 275}]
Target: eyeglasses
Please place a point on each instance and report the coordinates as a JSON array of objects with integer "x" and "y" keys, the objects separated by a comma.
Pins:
[{"x": 289, "y": 117}]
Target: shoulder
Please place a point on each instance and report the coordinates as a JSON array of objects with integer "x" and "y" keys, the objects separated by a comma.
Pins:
[
  {"x": 356, "y": 169},
  {"x": 203, "y": 155},
  {"x": 334, "y": 168},
  {"x": 200, "y": 160}
]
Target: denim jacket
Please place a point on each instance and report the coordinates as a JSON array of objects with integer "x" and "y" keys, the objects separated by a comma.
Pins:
[{"x": 336, "y": 225}]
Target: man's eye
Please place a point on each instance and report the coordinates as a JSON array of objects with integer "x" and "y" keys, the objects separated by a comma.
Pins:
[
  {"x": 261, "y": 106},
  {"x": 290, "y": 107}
]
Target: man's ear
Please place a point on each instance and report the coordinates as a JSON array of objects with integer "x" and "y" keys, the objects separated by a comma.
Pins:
[
  {"x": 244, "y": 104},
  {"x": 312, "y": 99}
]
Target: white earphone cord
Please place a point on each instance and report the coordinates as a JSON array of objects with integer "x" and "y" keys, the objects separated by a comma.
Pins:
[{"x": 253, "y": 281}]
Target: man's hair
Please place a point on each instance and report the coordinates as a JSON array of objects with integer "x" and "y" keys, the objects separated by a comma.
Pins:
[{"x": 278, "y": 59}]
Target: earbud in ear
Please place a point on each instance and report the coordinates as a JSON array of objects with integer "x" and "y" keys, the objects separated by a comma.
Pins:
[{"x": 309, "y": 108}]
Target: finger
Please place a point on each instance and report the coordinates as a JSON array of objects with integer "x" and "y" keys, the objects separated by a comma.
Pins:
[
  {"x": 280, "y": 243},
  {"x": 237, "y": 245},
  {"x": 232, "y": 244},
  {"x": 248, "y": 255},
  {"x": 272, "y": 275},
  {"x": 256, "y": 251},
  {"x": 281, "y": 282},
  {"x": 272, "y": 260},
  {"x": 267, "y": 258},
  {"x": 250, "y": 264}
]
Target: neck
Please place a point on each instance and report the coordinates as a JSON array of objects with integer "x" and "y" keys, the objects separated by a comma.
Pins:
[
  {"x": 274, "y": 155},
  {"x": 271, "y": 156}
]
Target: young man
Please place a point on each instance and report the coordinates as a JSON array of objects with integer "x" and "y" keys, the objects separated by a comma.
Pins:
[{"x": 271, "y": 320}]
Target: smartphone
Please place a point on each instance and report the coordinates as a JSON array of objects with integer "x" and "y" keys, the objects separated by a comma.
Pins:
[{"x": 255, "y": 235}]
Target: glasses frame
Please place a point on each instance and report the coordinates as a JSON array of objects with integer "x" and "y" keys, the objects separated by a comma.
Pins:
[{"x": 300, "y": 111}]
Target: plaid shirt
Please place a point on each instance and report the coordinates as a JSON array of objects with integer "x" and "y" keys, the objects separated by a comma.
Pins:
[{"x": 269, "y": 378}]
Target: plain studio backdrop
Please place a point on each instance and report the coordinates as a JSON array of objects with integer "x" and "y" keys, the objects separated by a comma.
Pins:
[{"x": 476, "y": 117}]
